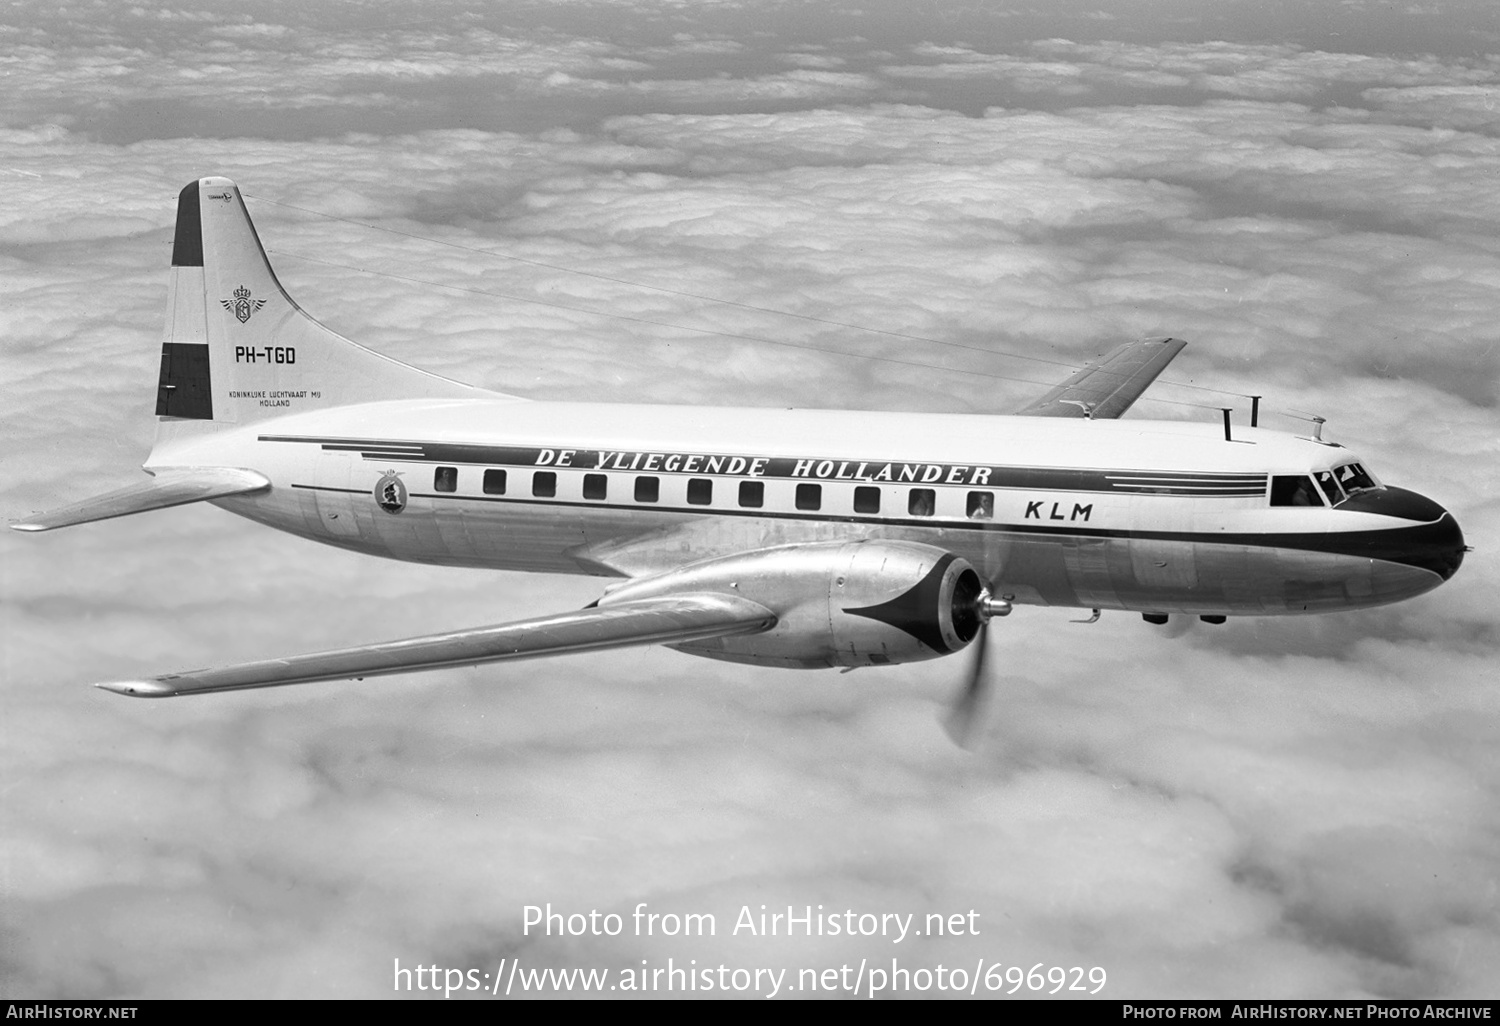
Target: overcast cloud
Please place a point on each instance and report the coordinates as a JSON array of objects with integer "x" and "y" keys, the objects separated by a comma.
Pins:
[{"x": 1294, "y": 808}]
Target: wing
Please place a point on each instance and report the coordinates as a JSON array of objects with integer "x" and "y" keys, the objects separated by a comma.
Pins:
[
  {"x": 173, "y": 486},
  {"x": 1107, "y": 387},
  {"x": 642, "y": 622}
]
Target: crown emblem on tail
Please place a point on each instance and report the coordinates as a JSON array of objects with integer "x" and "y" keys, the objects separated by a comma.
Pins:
[{"x": 242, "y": 306}]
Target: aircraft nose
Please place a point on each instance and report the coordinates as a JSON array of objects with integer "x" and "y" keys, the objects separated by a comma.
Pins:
[
  {"x": 1430, "y": 538},
  {"x": 1444, "y": 545}
]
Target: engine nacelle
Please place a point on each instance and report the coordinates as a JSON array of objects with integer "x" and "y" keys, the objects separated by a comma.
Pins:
[{"x": 867, "y": 603}]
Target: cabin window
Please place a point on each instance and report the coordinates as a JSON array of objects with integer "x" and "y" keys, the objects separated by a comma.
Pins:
[
  {"x": 544, "y": 484},
  {"x": 866, "y": 499},
  {"x": 445, "y": 479},
  {"x": 595, "y": 486},
  {"x": 809, "y": 496},
  {"x": 700, "y": 491},
  {"x": 922, "y": 502},
  {"x": 647, "y": 489},
  {"x": 752, "y": 494},
  {"x": 1294, "y": 490},
  {"x": 981, "y": 506},
  {"x": 494, "y": 482}
]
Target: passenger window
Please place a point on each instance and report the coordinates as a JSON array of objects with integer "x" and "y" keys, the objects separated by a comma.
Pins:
[
  {"x": 866, "y": 499},
  {"x": 1294, "y": 490},
  {"x": 595, "y": 486},
  {"x": 494, "y": 482},
  {"x": 922, "y": 502},
  {"x": 647, "y": 489},
  {"x": 981, "y": 506},
  {"x": 700, "y": 491},
  {"x": 752, "y": 494},
  {"x": 809, "y": 496},
  {"x": 446, "y": 479},
  {"x": 544, "y": 484}
]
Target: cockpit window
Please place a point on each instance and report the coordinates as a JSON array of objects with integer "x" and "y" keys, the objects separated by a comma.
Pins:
[
  {"x": 1341, "y": 482},
  {"x": 1337, "y": 484},
  {"x": 1354, "y": 479},
  {"x": 1294, "y": 490},
  {"x": 1330, "y": 486}
]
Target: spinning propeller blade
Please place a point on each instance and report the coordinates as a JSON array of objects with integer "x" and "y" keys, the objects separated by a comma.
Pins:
[{"x": 973, "y": 698}]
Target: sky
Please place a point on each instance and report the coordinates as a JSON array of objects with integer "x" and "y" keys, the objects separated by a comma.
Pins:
[{"x": 1299, "y": 807}]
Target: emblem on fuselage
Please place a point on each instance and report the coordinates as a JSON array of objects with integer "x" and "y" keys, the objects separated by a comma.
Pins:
[
  {"x": 390, "y": 493},
  {"x": 242, "y": 305}
]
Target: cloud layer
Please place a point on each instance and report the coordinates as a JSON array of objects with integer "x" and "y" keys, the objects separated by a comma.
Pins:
[{"x": 1296, "y": 808}]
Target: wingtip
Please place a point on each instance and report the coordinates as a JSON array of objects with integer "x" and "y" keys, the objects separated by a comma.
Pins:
[
  {"x": 28, "y": 527},
  {"x": 138, "y": 688}
]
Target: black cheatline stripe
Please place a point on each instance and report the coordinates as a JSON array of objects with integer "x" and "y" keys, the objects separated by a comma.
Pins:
[
  {"x": 1143, "y": 476},
  {"x": 1217, "y": 493},
  {"x": 1190, "y": 489},
  {"x": 341, "y": 444},
  {"x": 1077, "y": 479},
  {"x": 1436, "y": 547},
  {"x": 1167, "y": 482},
  {"x": 1176, "y": 482},
  {"x": 1185, "y": 482},
  {"x": 1039, "y": 478}
]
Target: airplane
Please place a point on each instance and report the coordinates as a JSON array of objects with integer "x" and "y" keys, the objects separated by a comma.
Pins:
[{"x": 798, "y": 538}]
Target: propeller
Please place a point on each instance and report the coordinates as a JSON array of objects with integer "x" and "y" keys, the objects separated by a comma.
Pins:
[{"x": 973, "y": 698}]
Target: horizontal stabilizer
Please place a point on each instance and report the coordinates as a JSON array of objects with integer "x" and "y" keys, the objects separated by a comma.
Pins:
[
  {"x": 172, "y": 486},
  {"x": 1107, "y": 387},
  {"x": 668, "y": 620}
]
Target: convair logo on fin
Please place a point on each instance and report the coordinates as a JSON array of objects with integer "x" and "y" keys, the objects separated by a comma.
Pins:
[
  {"x": 242, "y": 305},
  {"x": 226, "y": 196}
]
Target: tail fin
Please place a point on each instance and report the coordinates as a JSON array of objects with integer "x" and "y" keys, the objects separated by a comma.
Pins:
[{"x": 238, "y": 349}]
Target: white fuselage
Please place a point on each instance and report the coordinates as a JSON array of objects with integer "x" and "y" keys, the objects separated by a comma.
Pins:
[{"x": 1163, "y": 517}]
